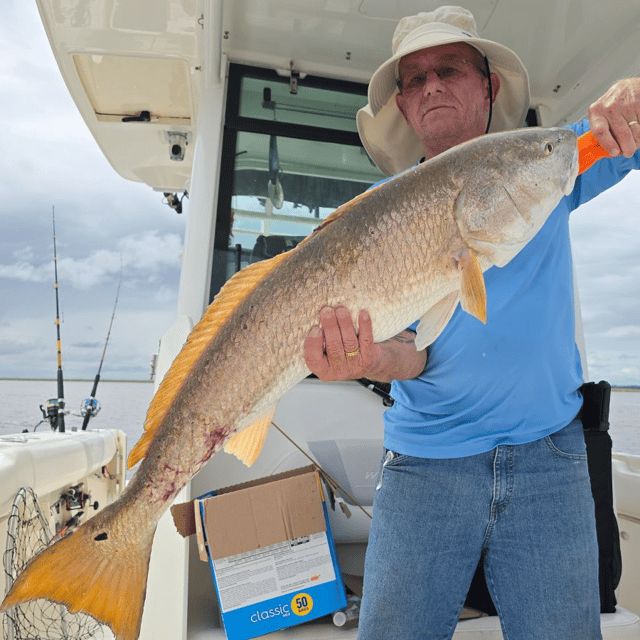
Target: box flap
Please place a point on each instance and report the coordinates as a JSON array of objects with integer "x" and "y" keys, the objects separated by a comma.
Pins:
[
  {"x": 200, "y": 538},
  {"x": 184, "y": 513},
  {"x": 263, "y": 514},
  {"x": 265, "y": 480},
  {"x": 184, "y": 518}
]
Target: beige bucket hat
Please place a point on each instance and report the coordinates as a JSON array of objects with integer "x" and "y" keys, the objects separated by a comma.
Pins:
[{"x": 388, "y": 139}]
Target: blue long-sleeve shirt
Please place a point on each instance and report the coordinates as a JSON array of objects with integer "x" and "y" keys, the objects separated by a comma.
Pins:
[{"x": 515, "y": 379}]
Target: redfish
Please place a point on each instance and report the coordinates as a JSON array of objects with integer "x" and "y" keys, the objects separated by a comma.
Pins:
[{"x": 413, "y": 247}]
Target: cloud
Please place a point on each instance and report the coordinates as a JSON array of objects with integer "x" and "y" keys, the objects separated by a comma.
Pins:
[
  {"x": 13, "y": 348},
  {"x": 134, "y": 339},
  {"x": 623, "y": 331},
  {"x": 606, "y": 248},
  {"x": 151, "y": 251},
  {"x": 143, "y": 256},
  {"x": 26, "y": 272}
]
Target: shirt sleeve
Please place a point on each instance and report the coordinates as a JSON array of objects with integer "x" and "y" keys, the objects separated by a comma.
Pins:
[{"x": 603, "y": 175}]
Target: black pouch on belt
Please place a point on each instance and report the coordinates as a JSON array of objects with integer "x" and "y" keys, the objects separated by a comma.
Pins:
[{"x": 595, "y": 421}]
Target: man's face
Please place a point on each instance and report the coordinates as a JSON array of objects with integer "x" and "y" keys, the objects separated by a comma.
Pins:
[{"x": 444, "y": 95}]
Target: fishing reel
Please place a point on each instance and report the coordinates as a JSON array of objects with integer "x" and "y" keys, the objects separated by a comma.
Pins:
[
  {"x": 174, "y": 201},
  {"x": 52, "y": 409},
  {"x": 75, "y": 498},
  {"x": 89, "y": 407}
]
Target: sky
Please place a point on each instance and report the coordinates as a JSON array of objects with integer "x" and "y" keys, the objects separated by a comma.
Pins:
[{"x": 49, "y": 159}]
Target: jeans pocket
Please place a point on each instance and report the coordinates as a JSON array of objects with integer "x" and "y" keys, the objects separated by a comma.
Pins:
[
  {"x": 390, "y": 458},
  {"x": 568, "y": 442}
]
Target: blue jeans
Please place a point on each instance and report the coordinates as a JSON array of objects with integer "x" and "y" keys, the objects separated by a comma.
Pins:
[{"x": 525, "y": 510}]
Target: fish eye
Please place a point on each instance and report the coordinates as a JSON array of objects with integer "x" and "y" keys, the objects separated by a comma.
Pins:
[{"x": 547, "y": 148}]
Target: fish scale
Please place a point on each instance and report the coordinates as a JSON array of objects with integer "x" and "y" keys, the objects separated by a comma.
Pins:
[{"x": 413, "y": 247}]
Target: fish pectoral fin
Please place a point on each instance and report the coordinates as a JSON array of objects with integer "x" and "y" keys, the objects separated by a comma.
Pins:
[
  {"x": 247, "y": 444},
  {"x": 473, "y": 295},
  {"x": 435, "y": 320}
]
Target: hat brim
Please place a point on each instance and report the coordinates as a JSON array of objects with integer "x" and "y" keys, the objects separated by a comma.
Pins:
[{"x": 387, "y": 138}]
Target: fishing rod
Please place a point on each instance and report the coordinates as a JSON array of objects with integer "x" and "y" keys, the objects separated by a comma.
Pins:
[
  {"x": 90, "y": 406},
  {"x": 55, "y": 412}
]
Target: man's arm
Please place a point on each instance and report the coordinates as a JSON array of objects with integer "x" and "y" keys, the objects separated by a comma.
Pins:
[{"x": 334, "y": 351}]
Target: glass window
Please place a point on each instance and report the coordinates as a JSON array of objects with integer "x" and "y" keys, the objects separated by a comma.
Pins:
[
  {"x": 313, "y": 179},
  {"x": 309, "y": 106},
  {"x": 281, "y": 178}
]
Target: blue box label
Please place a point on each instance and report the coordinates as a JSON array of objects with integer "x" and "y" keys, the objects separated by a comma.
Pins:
[{"x": 285, "y": 611}]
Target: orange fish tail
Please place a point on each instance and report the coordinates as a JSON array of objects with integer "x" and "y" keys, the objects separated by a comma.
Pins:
[
  {"x": 88, "y": 571},
  {"x": 589, "y": 151}
]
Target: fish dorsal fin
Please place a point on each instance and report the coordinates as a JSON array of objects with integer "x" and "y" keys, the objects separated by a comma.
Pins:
[
  {"x": 247, "y": 444},
  {"x": 473, "y": 296},
  {"x": 229, "y": 297}
]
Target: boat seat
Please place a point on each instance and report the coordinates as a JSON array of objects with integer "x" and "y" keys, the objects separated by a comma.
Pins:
[
  {"x": 621, "y": 625},
  {"x": 272, "y": 245}
]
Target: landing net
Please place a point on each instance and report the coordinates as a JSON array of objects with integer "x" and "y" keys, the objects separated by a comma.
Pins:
[{"x": 28, "y": 533}]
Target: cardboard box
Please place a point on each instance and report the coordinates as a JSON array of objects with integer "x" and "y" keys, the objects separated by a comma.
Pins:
[{"x": 270, "y": 549}]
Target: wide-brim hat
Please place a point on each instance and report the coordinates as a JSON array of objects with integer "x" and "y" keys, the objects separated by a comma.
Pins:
[{"x": 389, "y": 140}]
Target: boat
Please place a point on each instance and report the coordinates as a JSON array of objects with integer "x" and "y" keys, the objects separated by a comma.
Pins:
[
  {"x": 246, "y": 108},
  {"x": 51, "y": 482}
]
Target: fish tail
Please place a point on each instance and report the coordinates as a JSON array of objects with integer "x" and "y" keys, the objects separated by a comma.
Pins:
[
  {"x": 589, "y": 151},
  {"x": 93, "y": 572}
]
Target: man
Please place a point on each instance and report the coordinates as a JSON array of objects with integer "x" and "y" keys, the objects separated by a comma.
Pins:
[{"x": 484, "y": 455}]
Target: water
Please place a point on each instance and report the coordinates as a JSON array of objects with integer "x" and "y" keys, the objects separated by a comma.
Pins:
[
  {"x": 623, "y": 416},
  {"x": 124, "y": 405}
]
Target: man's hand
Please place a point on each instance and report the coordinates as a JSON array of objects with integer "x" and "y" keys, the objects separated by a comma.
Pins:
[
  {"x": 615, "y": 118},
  {"x": 334, "y": 351}
]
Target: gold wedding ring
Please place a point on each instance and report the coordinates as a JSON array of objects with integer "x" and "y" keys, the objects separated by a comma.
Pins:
[{"x": 351, "y": 354}]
